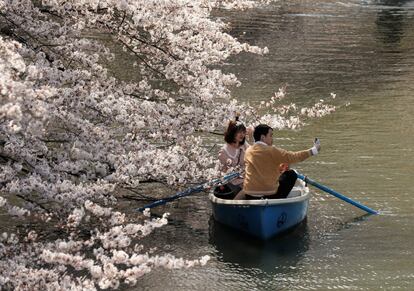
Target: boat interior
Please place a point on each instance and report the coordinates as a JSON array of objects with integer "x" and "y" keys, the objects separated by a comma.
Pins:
[{"x": 225, "y": 192}]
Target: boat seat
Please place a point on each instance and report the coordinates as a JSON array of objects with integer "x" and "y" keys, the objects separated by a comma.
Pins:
[{"x": 294, "y": 193}]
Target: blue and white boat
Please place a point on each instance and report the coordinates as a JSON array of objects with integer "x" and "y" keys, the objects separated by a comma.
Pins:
[{"x": 263, "y": 218}]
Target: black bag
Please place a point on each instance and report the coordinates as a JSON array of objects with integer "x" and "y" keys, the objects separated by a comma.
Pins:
[{"x": 226, "y": 191}]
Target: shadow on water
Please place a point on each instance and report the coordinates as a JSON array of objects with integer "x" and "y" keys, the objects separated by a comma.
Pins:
[
  {"x": 282, "y": 252},
  {"x": 354, "y": 220},
  {"x": 322, "y": 227},
  {"x": 390, "y": 21}
]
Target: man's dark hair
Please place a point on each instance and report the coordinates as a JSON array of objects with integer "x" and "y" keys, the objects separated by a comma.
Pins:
[
  {"x": 231, "y": 131},
  {"x": 261, "y": 129}
]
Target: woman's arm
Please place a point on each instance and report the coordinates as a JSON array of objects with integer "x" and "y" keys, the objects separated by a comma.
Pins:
[{"x": 224, "y": 160}]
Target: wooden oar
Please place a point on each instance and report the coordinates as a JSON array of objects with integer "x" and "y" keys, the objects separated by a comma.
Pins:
[
  {"x": 336, "y": 194},
  {"x": 190, "y": 191}
]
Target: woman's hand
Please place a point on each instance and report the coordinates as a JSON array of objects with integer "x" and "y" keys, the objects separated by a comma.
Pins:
[{"x": 283, "y": 167}]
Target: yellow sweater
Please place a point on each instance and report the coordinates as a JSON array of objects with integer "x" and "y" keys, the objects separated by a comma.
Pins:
[{"x": 262, "y": 167}]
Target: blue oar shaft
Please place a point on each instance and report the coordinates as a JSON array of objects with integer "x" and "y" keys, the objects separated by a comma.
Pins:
[
  {"x": 189, "y": 191},
  {"x": 336, "y": 194},
  {"x": 171, "y": 198}
]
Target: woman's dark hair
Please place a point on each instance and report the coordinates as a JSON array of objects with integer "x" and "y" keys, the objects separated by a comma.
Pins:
[
  {"x": 233, "y": 128},
  {"x": 261, "y": 129}
]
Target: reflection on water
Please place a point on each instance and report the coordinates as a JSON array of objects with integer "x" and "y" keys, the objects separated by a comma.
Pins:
[
  {"x": 318, "y": 47},
  {"x": 244, "y": 252},
  {"x": 390, "y": 21}
]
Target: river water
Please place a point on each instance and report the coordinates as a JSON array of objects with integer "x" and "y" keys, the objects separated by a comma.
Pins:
[{"x": 363, "y": 51}]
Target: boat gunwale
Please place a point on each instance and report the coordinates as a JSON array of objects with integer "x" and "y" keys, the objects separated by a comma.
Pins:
[{"x": 305, "y": 195}]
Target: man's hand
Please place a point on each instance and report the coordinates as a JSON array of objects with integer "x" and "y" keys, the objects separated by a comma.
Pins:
[{"x": 316, "y": 147}]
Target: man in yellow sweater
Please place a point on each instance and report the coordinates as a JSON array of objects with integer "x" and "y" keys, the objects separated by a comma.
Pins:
[{"x": 263, "y": 178}]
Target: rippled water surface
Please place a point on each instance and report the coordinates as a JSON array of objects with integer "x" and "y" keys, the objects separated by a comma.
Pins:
[{"x": 363, "y": 51}]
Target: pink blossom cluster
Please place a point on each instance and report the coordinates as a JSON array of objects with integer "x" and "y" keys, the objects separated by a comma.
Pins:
[
  {"x": 282, "y": 116},
  {"x": 319, "y": 109}
]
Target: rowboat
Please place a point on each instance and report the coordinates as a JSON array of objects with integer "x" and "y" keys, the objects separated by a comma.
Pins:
[{"x": 264, "y": 218}]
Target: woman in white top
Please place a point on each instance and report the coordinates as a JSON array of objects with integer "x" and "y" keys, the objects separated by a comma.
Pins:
[{"x": 231, "y": 155}]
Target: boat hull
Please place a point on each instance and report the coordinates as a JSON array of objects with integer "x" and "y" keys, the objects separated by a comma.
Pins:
[{"x": 263, "y": 218}]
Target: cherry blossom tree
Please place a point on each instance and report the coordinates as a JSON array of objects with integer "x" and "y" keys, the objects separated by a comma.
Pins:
[{"x": 72, "y": 134}]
